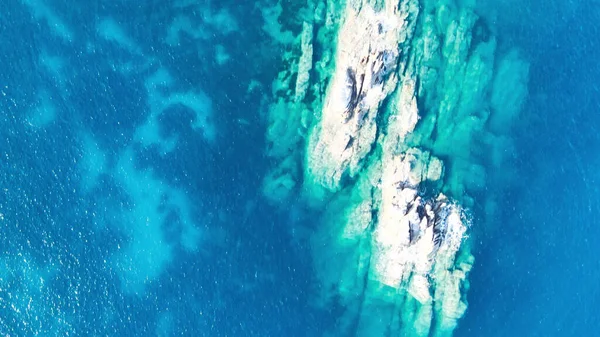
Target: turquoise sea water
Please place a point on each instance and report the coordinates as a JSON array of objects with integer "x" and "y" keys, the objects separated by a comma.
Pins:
[{"x": 132, "y": 153}]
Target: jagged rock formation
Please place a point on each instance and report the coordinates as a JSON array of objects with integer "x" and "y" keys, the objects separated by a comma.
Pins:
[
  {"x": 364, "y": 76},
  {"x": 414, "y": 101}
]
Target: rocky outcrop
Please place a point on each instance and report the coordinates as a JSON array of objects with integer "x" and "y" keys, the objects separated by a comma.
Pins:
[
  {"x": 365, "y": 74},
  {"x": 398, "y": 139}
]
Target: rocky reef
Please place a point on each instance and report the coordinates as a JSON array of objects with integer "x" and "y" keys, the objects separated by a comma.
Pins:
[
  {"x": 363, "y": 77},
  {"x": 399, "y": 112}
]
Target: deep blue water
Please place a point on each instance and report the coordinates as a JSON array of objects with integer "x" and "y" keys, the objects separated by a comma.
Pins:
[
  {"x": 73, "y": 165},
  {"x": 539, "y": 274}
]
